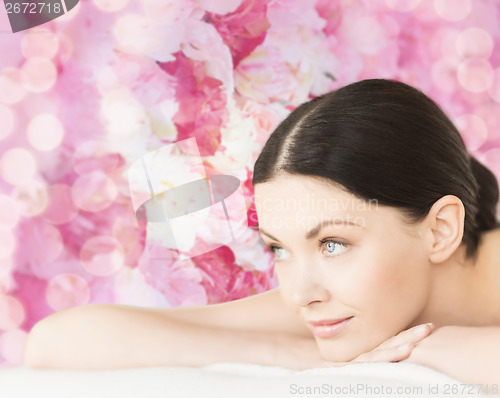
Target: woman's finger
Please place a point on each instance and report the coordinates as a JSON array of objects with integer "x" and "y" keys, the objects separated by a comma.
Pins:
[
  {"x": 391, "y": 354},
  {"x": 398, "y": 347},
  {"x": 412, "y": 335}
]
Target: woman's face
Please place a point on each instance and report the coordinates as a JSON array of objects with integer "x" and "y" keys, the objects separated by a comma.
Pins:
[{"x": 364, "y": 263}]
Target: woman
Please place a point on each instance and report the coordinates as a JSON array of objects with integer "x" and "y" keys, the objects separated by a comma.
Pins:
[{"x": 384, "y": 232}]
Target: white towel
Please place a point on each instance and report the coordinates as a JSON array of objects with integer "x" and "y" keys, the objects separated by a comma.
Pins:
[{"x": 232, "y": 380}]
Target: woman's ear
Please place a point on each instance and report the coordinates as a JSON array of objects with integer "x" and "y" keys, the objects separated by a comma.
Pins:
[{"x": 445, "y": 223}]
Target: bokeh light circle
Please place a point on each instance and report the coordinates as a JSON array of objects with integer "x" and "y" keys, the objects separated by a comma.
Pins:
[
  {"x": 12, "y": 313},
  {"x": 60, "y": 208},
  {"x": 453, "y": 10},
  {"x": 402, "y": 5},
  {"x": 93, "y": 191},
  {"x": 494, "y": 90},
  {"x": 6, "y": 265},
  {"x": 7, "y": 243},
  {"x": 475, "y": 76},
  {"x": 65, "y": 48},
  {"x": 122, "y": 113},
  {"x": 137, "y": 34},
  {"x": 8, "y": 121},
  {"x": 110, "y": 5},
  {"x": 17, "y": 166},
  {"x": 473, "y": 130},
  {"x": 491, "y": 159},
  {"x": 95, "y": 155},
  {"x": 474, "y": 43},
  {"x": 445, "y": 44},
  {"x": 426, "y": 12},
  {"x": 128, "y": 232},
  {"x": 102, "y": 255},
  {"x": 38, "y": 74},
  {"x": 490, "y": 113},
  {"x": 11, "y": 89},
  {"x": 45, "y": 132},
  {"x": 367, "y": 36},
  {"x": 444, "y": 75},
  {"x": 125, "y": 228},
  {"x": 53, "y": 247},
  {"x": 107, "y": 80},
  {"x": 39, "y": 43},
  {"x": 66, "y": 291},
  {"x": 12, "y": 344},
  {"x": 32, "y": 198},
  {"x": 9, "y": 213}
]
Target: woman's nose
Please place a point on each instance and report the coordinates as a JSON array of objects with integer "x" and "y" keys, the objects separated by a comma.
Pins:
[{"x": 309, "y": 288}]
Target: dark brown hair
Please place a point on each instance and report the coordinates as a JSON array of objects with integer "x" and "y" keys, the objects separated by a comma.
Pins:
[{"x": 385, "y": 140}]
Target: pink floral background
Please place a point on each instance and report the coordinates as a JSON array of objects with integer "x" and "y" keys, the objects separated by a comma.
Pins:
[{"x": 85, "y": 95}]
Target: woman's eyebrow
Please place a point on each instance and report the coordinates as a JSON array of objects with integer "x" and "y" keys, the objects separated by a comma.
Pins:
[
  {"x": 315, "y": 231},
  {"x": 266, "y": 233}
]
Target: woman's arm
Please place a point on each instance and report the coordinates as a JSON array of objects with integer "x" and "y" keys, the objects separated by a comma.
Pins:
[
  {"x": 261, "y": 312},
  {"x": 257, "y": 330},
  {"x": 468, "y": 354}
]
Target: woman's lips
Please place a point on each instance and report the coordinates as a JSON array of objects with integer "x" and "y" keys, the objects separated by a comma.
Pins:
[{"x": 329, "y": 327}]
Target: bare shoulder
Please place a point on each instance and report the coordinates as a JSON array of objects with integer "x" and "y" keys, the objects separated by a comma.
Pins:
[{"x": 263, "y": 312}]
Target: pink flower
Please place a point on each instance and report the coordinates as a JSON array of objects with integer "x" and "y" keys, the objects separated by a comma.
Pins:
[
  {"x": 41, "y": 249},
  {"x": 263, "y": 76},
  {"x": 144, "y": 78},
  {"x": 265, "y": 117},
  {"x": 202, "y": 103},
  {"x": 292, "y": 62},
  {"x": 242, "y": 30},
  {"x": 228, "y": 73},
  {"x": 178, "y": 280},
  {"x": 203, "y": 43},
  {"x": 224, "y": 280},
  {"x": 253, "y": 282},
  {"x": 331, "y": 12},
  {"x": 219, "y": 7}
]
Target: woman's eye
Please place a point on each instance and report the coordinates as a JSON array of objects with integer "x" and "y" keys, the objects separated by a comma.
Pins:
[
  {"x": 332, "y": 247},
  {"x": 277, "y": 251}
]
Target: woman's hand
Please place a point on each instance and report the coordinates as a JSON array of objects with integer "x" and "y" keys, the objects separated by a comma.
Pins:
[
  {"x": 395, "y": 349},
  {"x": 398, "y": 347},
  {"x": 305, "y": 354}
]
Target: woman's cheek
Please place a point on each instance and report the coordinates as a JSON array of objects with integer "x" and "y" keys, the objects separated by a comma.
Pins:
[
  {"x": 285, "y": 283},
  {"x": 401, "y": 291}
]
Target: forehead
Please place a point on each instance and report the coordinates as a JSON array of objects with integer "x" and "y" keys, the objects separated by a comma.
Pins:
[
  {"x": 305, "y": 194},
  {"x": 302, "y": 202}
]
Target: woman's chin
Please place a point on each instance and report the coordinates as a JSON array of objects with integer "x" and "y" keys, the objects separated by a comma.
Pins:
[{"x": 337, "y": 354}]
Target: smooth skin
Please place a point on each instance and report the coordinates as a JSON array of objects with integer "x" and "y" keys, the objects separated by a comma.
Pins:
[
  {"x": 259, "y": 329},
  {"x": 386, "y": 273},
  {"x": 392, "y": 277}
]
